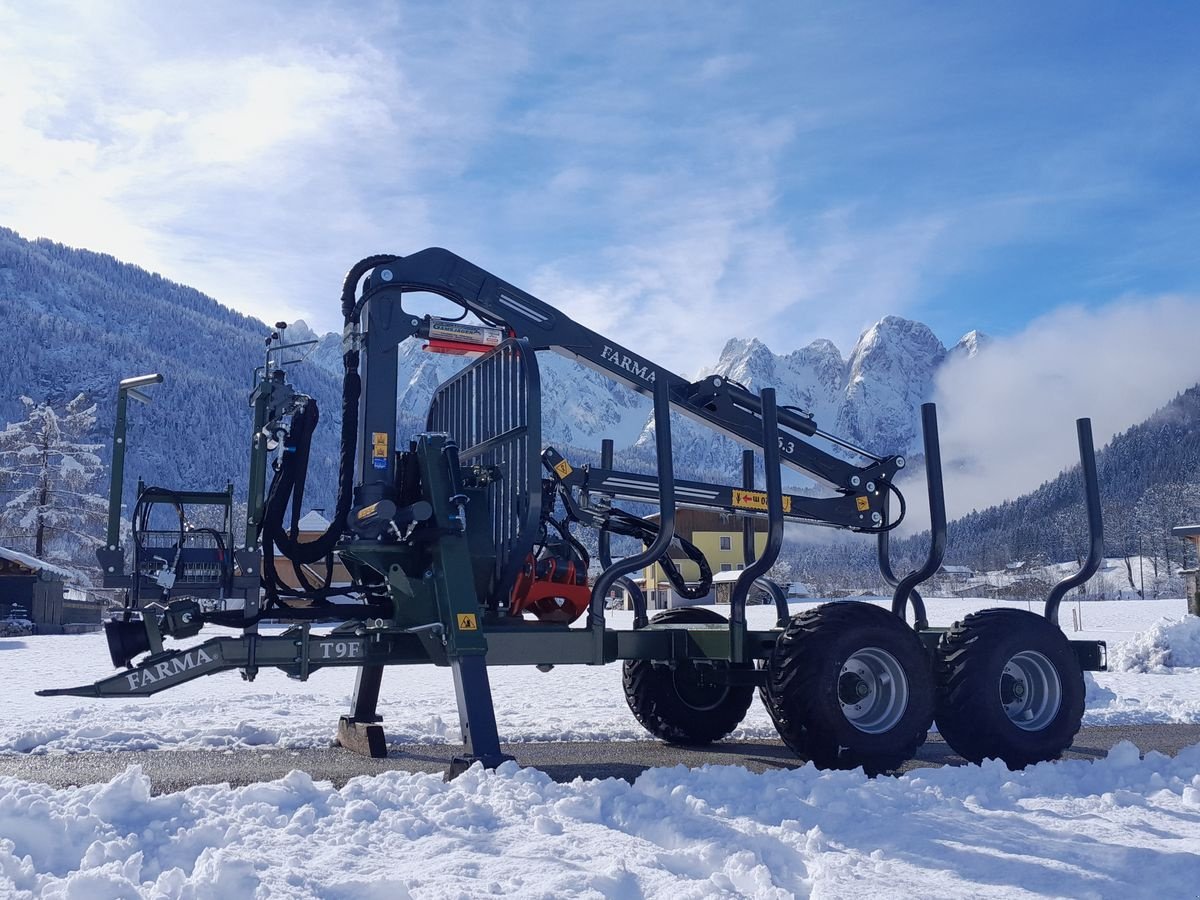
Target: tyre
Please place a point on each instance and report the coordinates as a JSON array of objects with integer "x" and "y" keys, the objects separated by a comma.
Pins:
[
  {"x": 850, "y": 684},
  {"x": 1009, "y": 687},
  {"x": 672, "y": 703}
]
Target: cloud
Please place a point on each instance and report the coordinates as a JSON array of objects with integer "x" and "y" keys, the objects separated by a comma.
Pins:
[
  {"x": 254, "y": 161},
  {"x": 671, "y": 174},
  {"x": 1007, "y": 416}
]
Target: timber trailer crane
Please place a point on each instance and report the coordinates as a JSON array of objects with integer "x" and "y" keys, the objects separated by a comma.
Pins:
[{"x": 456, "y": 557}]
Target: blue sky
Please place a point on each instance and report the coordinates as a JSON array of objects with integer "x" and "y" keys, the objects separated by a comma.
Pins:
[{"x": 672, "y": 173}]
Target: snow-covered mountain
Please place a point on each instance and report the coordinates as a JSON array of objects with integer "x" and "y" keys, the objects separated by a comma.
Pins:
[{"x": 871, "y": 398}]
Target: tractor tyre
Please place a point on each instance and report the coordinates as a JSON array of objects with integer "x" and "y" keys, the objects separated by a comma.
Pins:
[
  {"x": 1008, "y": 687},
  {"x": 672, "y": 703},
  {"x": 850, "y": 684}
]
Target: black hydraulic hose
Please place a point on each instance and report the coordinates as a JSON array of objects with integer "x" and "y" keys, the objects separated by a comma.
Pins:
[
  {"x": 350, "y": 284},
  {"x": 271, "y": 534},
  {"x": 626, "y": 523}
]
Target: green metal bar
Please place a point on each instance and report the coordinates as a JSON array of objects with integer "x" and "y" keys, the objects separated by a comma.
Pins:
[
  {"x": 294, "y": 652},
  {"x": 117, "y": 479},
  {"x": 299, "y": 653},
  {"x": 125, "y": 388},
  {"x": 256, "y": 488}
]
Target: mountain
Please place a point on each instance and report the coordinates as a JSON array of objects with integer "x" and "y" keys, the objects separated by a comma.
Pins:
[
  {"x": 872, "y": 399},
  {"x": 74, "y": 321}
]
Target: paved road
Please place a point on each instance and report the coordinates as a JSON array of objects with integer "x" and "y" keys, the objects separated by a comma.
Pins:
[{"x": 172, "y": 770}]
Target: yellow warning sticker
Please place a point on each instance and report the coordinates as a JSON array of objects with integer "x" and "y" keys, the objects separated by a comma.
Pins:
[
  {"x": 563, "y": 468},
  {"x": 379, "y": 443},
  {"x": 367, "y": 511},
  {"x": 757, "y": 500},
  {"x": 862, "y": 503},
  {"x": 467, "y": 622}
]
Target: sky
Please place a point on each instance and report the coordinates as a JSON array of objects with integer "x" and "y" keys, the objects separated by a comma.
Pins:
[{"x": 671, "y": 174}]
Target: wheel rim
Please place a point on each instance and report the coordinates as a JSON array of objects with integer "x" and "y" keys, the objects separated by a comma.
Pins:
[
  {"x": 873, "y": 690},
  {"x": 696, "y": 695},
  {"x": 1030, "y": 690}
]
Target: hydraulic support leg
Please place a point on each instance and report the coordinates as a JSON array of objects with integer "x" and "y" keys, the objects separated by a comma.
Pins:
[
  {"x": 476, "y": 716},
  {"x": 361, "y": 731}
]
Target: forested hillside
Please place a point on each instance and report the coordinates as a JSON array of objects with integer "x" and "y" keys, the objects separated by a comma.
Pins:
[{"x": 72, "y": 321}]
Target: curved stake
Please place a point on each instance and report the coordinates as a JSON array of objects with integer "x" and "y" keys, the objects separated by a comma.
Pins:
[
  {"x": 666, "y": 524},
  {"x": 1091, "y": 493},
  {"x": 937, "y": 522},
  {"x": 759, "y": 568}
]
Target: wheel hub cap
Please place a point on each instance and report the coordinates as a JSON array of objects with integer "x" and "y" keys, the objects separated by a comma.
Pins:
[
  {"x": 872, "y": 690},
  {"x": 1030, "y": 690}
]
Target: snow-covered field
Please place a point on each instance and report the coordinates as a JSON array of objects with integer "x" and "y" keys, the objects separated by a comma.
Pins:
[{"x": 1116, "y": 827}]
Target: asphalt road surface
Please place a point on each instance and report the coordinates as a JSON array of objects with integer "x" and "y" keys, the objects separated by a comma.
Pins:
[{"x": 172, "y": 770}]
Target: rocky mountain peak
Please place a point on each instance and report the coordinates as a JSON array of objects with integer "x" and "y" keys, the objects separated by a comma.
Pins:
[{"x": 970, "y": 344}]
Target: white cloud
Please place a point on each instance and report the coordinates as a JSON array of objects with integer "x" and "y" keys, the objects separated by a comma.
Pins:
[
  {"x": 254, "y": 160},
  {"x": 1007, "y": 416}
]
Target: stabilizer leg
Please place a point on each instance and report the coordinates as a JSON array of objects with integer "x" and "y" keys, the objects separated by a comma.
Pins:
[
  {"x": 476, "y": 716},
  {"x": 361, "y": 731}
]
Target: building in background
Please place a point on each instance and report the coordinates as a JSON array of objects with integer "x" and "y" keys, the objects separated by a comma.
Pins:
[
  {"x": 1192, "y": 533},
  {"x": 33, "y": 585},
  {"x": 718, "y": 535}
]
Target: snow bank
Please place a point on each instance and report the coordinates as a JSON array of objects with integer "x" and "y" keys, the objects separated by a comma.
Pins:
[
  {"x": 1120, "y": 826},
  {"x": 1169, "y": 644}
]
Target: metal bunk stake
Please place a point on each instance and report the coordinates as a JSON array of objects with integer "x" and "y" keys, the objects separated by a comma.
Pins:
[
  {"x": 1091, "y": 493},
  {"x": 759, "y": 568},
  {"x": 937, "y": 524},
  {"x": 640, "y": 618},
  {"x": 666, "y": 524}
]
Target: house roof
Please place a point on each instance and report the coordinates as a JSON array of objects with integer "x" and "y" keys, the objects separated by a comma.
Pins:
[
  {"x": 722, "y": 577},
  {"x": 33, "y": 563},
  {"x": 313, "y": 521}
]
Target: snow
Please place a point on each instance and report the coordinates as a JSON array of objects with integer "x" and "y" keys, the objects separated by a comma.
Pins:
[
  {"x": 1119, "y": 826},
  {"x": 32, "y": 562},
  {"x": 1167, "y": 646}
]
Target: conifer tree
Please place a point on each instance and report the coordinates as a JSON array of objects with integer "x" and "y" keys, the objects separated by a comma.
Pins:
[{"x": 48, "y": 474}]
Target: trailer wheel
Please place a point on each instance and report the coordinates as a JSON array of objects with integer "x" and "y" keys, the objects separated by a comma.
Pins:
[
  {"x": 1009, "y": 687},
  {"x": 672, "y": 703},
  {"x": 849, "y": 684}
]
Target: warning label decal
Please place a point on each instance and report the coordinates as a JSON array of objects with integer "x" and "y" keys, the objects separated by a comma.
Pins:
[{"x": 757, "y": 500}]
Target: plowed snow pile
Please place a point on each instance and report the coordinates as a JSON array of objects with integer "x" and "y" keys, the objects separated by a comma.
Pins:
[{"x": 1170, "y": 644}]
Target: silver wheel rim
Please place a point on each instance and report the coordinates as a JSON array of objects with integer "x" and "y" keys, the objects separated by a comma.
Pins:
[
  {"x": 1030, "y": 690},
  {"x": 873, "y": 690}
]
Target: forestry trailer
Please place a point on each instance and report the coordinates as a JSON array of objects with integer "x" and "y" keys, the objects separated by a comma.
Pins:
[{"x": 461, "y": 546}]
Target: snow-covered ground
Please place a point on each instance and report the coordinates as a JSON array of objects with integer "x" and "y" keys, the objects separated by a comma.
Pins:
[{"x": 1116, "y": 827}]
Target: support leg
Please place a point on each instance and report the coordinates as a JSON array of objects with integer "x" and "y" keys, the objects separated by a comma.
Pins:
[
  {"x": 476, "y": 716},
  {"x": 360, "y": 731}
]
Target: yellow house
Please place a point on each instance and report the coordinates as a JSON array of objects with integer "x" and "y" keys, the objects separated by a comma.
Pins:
[{"x": 718, "y": 535}]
